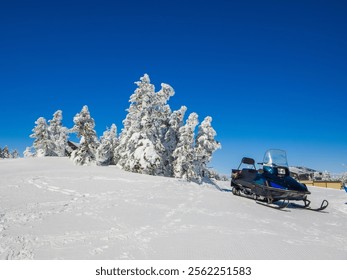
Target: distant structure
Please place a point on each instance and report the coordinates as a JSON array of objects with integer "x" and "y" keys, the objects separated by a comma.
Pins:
[
  {"x": 304, "y": 173},
  {"x": 312, "y": 177}
]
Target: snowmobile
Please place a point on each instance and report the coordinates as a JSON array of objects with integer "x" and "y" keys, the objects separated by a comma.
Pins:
[{"x": 271, "y": 185}]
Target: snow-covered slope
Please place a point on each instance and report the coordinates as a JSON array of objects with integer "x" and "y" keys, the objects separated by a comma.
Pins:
[{"x": 52, "y": 209}]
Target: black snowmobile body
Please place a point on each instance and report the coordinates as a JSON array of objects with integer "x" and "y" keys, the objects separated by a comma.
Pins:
[{"x": 271, "y": 183}]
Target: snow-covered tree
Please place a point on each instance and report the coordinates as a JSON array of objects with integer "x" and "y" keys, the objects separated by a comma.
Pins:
[
  {"x": 50, "y": 140},
  {"x": 140, "y": 147},
  {"x": 184, "y": 154},
  {"x": 213, "y": 174},
  {"x": 58, "y": 134},
  {"x": 108, "y": 144},
  {"x": 205, "y": 145},
  {"x": 84, "y": 128},
  {"x": 132, "y": 124},
  {"x": 28, "y": 152},
  {"x": 171, "y": 138},
  {"x": 42, "y": 143},
  {"x": 14, "y": 154},
  {"x": 160, "y": 112},
  {"x": 154, "y": 139},
  {"x": 326, "y": 176},
  {"x": 5, "y": 153}
]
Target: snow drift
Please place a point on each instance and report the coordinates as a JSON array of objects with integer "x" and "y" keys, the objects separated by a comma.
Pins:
[{"x": 53, "y": 209}]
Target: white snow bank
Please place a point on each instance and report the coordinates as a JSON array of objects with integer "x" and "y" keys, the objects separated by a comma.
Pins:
[{"x": 52, "y": 209}]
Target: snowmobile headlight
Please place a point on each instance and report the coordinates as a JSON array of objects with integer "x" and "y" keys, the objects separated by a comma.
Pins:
[{"x": 281, "y": 171}]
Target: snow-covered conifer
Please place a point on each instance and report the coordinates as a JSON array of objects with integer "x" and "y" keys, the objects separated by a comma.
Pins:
[
  {"x": 5, "y": 153},
  {"x": 171, "y": 138},
  {"x": 84, "y": 128},
  {"x": 183, "y": 165},
  {"x": 50, "y": 140},
  {"x": 58, "y": 134},
  {"x": 132, "y": 123},
  {"x": 205, "y": 145},
  {"x": 108, "y": 144},
  {"x": 42, "y": 143},
  {"x": 160, "y": 112},
  {"x": 140, "y": 147},
  {"x": 14, "y": 154},
  {"x": 28, "y": 152}
]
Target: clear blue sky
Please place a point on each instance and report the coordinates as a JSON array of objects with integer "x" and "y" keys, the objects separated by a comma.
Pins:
[{"x": 272, "y": 74}]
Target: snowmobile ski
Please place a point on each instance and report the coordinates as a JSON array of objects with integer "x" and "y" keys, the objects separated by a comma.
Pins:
[
  {"x": 281, "y": 206},
  {"x": 323, "y": 206}
]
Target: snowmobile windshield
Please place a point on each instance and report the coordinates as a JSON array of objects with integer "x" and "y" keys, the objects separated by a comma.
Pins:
[{"x": 275, "y": 158}]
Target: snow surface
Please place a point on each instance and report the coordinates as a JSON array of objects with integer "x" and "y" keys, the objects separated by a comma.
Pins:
[{"x": 52, "y": 209}]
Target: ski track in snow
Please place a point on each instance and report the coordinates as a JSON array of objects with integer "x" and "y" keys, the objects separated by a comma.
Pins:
[
  {"x": 45, "y": 186},
  {"x": 70, "y": 214}
]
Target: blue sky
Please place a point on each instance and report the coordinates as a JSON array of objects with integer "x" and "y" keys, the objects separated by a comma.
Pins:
[{"x": 272, "y": 74}]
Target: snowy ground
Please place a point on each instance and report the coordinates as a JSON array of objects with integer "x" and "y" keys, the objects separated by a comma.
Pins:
[{"x": 51, "y": 209}]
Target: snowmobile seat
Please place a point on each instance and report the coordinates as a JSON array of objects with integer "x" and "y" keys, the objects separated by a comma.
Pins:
[{"x": 248, "y": 174}]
